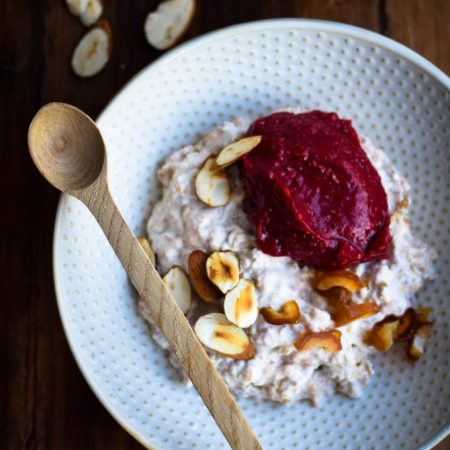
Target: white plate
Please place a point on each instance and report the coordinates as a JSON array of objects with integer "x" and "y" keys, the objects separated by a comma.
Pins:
[{"x": 392, "y": 95}]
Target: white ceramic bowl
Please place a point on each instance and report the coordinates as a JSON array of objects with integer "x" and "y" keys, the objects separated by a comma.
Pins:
[{"x": 394, "y": 96}]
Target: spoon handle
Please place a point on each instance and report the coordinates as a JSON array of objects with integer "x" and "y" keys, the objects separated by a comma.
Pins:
[{"x": 168, "y": 317}]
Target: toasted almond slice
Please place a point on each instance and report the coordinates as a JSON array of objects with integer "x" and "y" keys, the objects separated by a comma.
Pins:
[
  {"x": 423, "y": 314},
  {"x": 383, "y": 333},
  {"x": 77, "y": 7},
  {"x": 240, "y": 304},
  {"x": 343, "y": 278},
  {"x": 202, "y": 285},
  {"x": 147, "y": 248},
  {"x": 338, "y": 294},
  {"x": 407, "y": 325},
  {"x": 216, "y": 332},
  {"x": 93, "y": 51},
  {"x": 92, "y": 12},
  {"x": 178, "y": 285},
  {"x": 164, "y": 27},
  {"x": 326, "y": 340},
  {"x": 289, "y": 313},
  {"x": 417, "y": 346},
  {"x": 223, "y": 270},
  {"x": 343, "y": 314},
  {"x": 231, "y": 153},
  {"x": 211, "y": 185}
]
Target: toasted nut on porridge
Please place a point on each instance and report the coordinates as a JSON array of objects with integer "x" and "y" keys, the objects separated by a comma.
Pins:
[
  {"x": 165, "y": 26},
  {"x": 343, "y": 278},
  {"x": 407, "y": 325},
  {"x": 202, "y": 285},
  {"x": 216, "y": 332},
  {"x": 93, "y": 51},
  {"x": 343, "y": 314},
  {"x": 147, "y": 248},
  {"x": 178, "y": 285},
  {"x": 417, "y": 345},
  {"x": 223, "y": 270},
  {"x": 211, "y": 185},
  {"x": 240, "y": 304},
  {"x": 77, "y": 7},
  {"x": 232, "y": 152},
  {"x": 338, "y": 294},
  {"x": 326, "y": 340},
  {"x": 92, "y": 13},
  {"x": 289, "y": 313},
  {"x": 383, "y": 333}
]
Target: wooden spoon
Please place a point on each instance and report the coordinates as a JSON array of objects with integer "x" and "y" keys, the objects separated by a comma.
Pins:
[{"x": 69, "y": 151}]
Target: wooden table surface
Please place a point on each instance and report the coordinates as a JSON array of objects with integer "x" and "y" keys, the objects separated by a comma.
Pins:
[{"x": 45, "y": 402}]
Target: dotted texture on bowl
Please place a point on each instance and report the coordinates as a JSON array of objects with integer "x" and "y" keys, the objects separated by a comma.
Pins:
[{"x": 250, "y": 73}]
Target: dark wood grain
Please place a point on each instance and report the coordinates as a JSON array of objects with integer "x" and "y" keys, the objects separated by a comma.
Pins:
[{"x": 45, "y": 402}]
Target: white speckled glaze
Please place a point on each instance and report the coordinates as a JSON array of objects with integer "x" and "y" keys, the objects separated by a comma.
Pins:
[{"x": 396, "y": 98}]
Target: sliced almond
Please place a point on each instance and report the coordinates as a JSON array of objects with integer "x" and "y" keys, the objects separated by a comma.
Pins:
[
  {"x": 223, "y": 270},
  {"x": 93, "y": 51},
  {"x": 216, "y": 332},
  {"x": 289, "y": 313},
  {"x": 178, "y": 285},
  {"x": 407, "y": 325},
  {"x": 211, "y": 185},
  {"x": 342, "y": 278},
  {"x": 147, "y": 248},
  {"x": 338, "y": 294},
  {"x": 91, "y": 13},
  {"x": 77, "y": 7},
  {"x": 326, "y": 340},
  {"x": 231, "y": 153},
  {"x": 423, "y": 314},
  {"x": 202, "y": 285},
  {"x": 164, "y": 27},
  {"x": 383, "y": 334},
  {"x": 417, "y": 346},
  {"x": 240, "y": 304},
  {"x": 343, "y": 314}
]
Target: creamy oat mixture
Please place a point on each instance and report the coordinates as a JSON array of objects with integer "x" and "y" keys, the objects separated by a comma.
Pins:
[{"x": 181, "y": 223}]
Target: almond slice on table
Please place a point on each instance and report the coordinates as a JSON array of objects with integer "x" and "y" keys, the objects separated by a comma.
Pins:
[
  {"x": 216, "y": 332},
  {"x": 289, "y": 313},
  {"x": 326, "y": 340},
  {"x": 223, "y": 270},
  {"x": 416, "y": 347},
  {"x": 147, "y": 248},
  {"x": 164, "y": 27},
  {"x": 77, "y": 7},
  {"x": 240, "y": 304},
  {"x": 383, "y": 334},
  {"x": 343, "y": 314},
  {"x": 178, "y": 285},
  {"x": 211, "y": 185},
  {"x": 202, "y": 285},
  {"x": 92, "y": 52},
  {"x": 342, "y": 278},
  {"x": 92, "y": 12},
  {"x": 232, "y": 152}
]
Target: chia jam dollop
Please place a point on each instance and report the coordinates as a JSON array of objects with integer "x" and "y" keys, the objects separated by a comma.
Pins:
[{"x": 312, "y": 193}]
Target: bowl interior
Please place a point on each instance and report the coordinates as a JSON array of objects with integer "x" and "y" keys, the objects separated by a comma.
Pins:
[{"x": 251, "y": 71}]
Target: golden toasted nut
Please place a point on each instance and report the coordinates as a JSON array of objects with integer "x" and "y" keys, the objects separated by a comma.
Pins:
[
  {"x": 423, "y": 314},
  {"x": 223, "y": 270},
  {"x": 147, "y": 248},
  {"x": 212, "y": 185},
  {"x": 326, "y": 340},
  {"x": 343, "y": 314},
  {"x": 216, "y": 332},
  {"x": 343, "y": 278},
  {"x": 240, "y": 304},
  {"x": 416, "y": 347},
  {"x": 231, "y": 153},
  {"x": 383, "y": 334},
  {"x": 407, "y": 325},
  {"x": 289, "y": 313},
  {"x": 164, "y": 27},
  {"x": 178, "y": 285},
  {"x": 338, "y": 294},
  {"x": 202, "y": 285}
]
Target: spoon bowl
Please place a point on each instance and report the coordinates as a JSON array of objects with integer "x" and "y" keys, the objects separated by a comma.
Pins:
[{"x": 66, "y": 147}]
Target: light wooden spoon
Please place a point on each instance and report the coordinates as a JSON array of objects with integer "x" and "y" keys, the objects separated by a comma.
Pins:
[{"x": 69, "y": 151}]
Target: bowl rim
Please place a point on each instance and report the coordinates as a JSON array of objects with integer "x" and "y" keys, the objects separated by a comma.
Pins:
[{"x": 343, "y": 29}]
